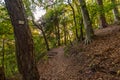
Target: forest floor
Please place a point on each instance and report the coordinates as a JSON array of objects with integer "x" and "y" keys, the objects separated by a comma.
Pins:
[{"x": 99, "y": 60}]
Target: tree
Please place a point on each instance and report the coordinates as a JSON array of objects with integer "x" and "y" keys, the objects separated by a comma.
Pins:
[
  {"x": 80, "y": 20},
  {"x": 38, "y": 24},
  {"x": 23, "y": 39},
  {"x": 115, "y": 11},
  {"x": 87, "y": 22},
  {"x": 102, "y": 19},
  {"x": 40, "y": 27},
  {"x": 74, "y": 18}
]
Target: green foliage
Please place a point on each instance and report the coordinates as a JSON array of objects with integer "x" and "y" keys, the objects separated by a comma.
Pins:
[
  {"x": 9, "y": 56},
  {"x": 4, "y": 22},
  {"x": 57, "y": 12},
  {"x": 40, "y": 47},
  {"x": 108, "y": 7},
  {"x": 51, "y": 19},
  {"x": 6, "y": 33}
]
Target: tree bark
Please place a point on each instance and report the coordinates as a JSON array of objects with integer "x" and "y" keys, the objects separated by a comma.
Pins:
[
  {"x": 23, "y": 39},
  {"x": 86, "y": 21},
  {"x": 115, "y": 12},
  {"x": 102, "y": 19}
]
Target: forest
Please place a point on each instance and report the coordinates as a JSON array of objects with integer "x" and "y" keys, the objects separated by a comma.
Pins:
[{"x": 59, "y": 39}]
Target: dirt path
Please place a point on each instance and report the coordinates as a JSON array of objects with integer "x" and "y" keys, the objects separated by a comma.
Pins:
[{"x": 56, "y": 67}]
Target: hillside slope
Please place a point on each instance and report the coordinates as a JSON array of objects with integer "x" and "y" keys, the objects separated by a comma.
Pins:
[{"x": 99, "y": 60}]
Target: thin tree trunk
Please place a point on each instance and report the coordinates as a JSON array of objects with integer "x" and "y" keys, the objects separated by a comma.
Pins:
[
  {"x": 39, "y": 26},
  {"x": 3, "y": 52},
  {"x": 2, "y": 69},
  {"x": 102, "y": 19},
  {"x": 81, "y": 30},
  {"x": 115, "y": 11},
  {"x": 75, "y": 23},
  {"x": 87, "y": 22},
  {"x": 43, "y": 33},
  {"x": 45, "y": 39},
  {"x": 23, "y": 39}
]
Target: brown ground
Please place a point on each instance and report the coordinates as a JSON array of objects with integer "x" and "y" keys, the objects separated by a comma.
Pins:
[{"x": 99, "y": 60}]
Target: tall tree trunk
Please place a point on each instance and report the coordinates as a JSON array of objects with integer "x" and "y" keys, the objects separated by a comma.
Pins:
[
  {"x": 87, "y": 22},
  {"x": 75, "y": 23},
  {"x": 115, "y": 11},
  {"x": 23, "y": 39},
  {"x": 102, "y": 19}
]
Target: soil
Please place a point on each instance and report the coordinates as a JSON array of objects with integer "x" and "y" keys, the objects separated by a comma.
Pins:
[{"x": 99, "y": 60}]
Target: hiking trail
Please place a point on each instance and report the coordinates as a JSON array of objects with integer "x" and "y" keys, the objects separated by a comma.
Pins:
[{"x": 96, "y": 61}]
